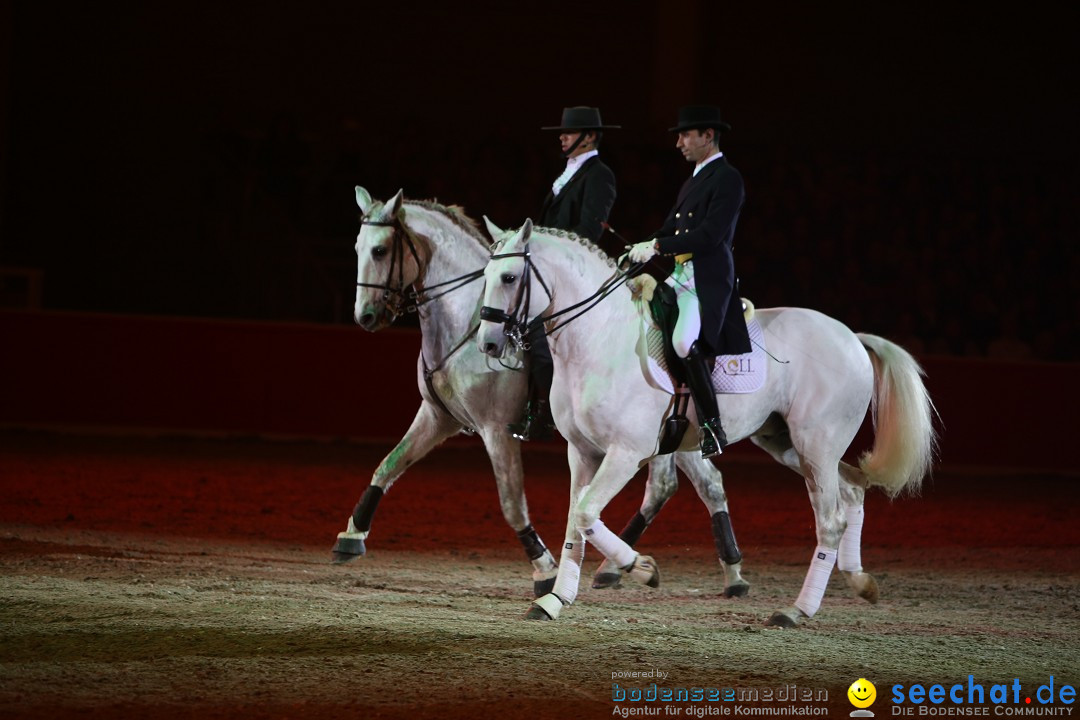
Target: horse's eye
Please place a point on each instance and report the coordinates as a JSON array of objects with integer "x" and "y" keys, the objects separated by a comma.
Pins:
[
  {"x": 378, "y": 251},
  {"x": 509, "y": 279}
]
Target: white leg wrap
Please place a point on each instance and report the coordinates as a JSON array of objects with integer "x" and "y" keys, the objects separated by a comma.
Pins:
[
  {"x": 611, "y": 545},
  {"x": 569, "y": 577},
  {"x": 550, "y": 604},
  {"x": 817, "y": 578},
  {"x": 850, "y": 558}
]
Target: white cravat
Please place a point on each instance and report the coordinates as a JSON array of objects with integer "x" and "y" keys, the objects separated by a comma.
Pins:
[
  {"x": 572, "y": 165},
  {"x": 706, "y": 161}
]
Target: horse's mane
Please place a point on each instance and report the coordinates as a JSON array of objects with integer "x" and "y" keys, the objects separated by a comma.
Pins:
[
  {"x": 583, "y": 241},
  {"x": 456, "y": 214}
]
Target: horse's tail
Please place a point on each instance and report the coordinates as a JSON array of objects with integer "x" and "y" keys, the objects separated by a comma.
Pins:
[{"x": 905, "y": 441}]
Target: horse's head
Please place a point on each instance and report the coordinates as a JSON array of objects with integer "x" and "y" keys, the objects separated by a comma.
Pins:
[
  {"x": 387, "y": 262},
  {"x": 514, "y": 293}
]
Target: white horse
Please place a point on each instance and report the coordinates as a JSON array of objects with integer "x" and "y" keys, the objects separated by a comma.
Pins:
[
  {"x": 438, "y": 252},
  {"x": 805, "y": 416}
]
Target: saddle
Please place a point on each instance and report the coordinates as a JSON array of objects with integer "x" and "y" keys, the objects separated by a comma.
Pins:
[{"x": 663, "y": 369}]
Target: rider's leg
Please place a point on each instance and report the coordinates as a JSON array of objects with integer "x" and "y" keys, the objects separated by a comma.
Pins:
[
  {"x": 698, "y": 372},
  {"x": 537, "y": 423},
  {"x": 699, "y": 377}
]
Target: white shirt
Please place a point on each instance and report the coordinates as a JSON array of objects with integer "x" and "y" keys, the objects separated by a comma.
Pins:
[
  {"x": 706, "y": 161},
  {"x": 572, "y": 166}
]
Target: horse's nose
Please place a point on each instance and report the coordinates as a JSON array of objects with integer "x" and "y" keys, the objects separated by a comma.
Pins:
[
  {"x": 489, "y": 348},
  {"x": 366, "y": 320}
]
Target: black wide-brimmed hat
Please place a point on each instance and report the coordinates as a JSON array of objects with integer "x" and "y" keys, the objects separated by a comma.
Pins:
[
  {"x": 699, "y": 117},
  {"x": 582, "y": 118}
]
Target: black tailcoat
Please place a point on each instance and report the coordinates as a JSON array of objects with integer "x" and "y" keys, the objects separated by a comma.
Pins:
[
  {"x": 703, "y": 223},
  {"x": 584, "y": 203}
]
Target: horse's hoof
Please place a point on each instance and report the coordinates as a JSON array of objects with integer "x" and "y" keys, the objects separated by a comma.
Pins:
[
  {"x": 347, "y": 549},
  {"x": 603, "y": 581},
  {"x": 547, "y": 607},
  {"x": 869, "y": 591},
  {"x": 739, "y": 589},
  {"x": 781, "y": 619},
  {"x": 537, "y": 613},
  {"x": 645, "y": 571},
  {"x": 543, "y": 587}
]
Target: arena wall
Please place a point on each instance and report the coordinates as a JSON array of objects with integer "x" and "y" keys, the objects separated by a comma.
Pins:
[{"x": 113, "y": 373}]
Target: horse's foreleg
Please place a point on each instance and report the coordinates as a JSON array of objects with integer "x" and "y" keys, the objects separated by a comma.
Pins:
[
  {"x": 822, "y": 483},
  {"x": 505, "y": 454},
  {"x": 849, "y": 558},
  {"x": 429, "y": 428},
  {"x": 549, "y": 606},
  {"x": 709, "y": 483},
  {"x": 659, "y": 488},
  {"x": 612, "y": 475}
]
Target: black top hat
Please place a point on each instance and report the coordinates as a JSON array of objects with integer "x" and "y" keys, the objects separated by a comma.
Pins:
[
  {"x": 699, "y": 117},
  {"x": 582, "y": 118}
]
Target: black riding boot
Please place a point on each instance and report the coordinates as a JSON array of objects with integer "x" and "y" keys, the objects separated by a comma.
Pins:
[
  {"x": 537, "y": 423},
  {"x": 699, "y": 378}
]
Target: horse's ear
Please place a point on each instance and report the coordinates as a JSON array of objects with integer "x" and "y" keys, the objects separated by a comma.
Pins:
[
  {"x": 363, "y": 199},
  {"x": 526, "y": 230},
  {"x": 494, "y": 230},
  {"x": 394, "y": 204}
]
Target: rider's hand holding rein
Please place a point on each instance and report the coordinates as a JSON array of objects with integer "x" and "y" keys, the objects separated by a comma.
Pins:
[{"x": 643, "y": 251}]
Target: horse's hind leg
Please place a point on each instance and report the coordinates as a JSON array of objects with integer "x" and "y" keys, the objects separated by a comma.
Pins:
[
  {"x": 709, "y": 483},
  {"x": 822, "y": 483},
  {"x": 849, "y": 558},
  {"x": 429, "y": 428},
  {"x": 505, "y": 454},
  {"x": 659, "y": 487}
]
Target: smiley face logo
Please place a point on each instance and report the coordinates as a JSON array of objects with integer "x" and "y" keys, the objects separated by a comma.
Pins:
[{"x": 862, "y": 693}]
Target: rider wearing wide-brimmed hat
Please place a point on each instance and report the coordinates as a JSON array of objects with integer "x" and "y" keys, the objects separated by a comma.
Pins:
[
  {"x": 700, "y": 231},
  {"x": 579, "y": 201}
]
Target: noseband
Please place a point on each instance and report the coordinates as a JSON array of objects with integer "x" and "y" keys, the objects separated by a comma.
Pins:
[{"x": 397, "y": 299}]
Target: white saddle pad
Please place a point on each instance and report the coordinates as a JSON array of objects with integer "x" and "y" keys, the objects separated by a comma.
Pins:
[{"x": 733, "y": 374}]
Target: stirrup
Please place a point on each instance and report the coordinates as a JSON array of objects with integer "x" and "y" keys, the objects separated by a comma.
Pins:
[
  {"x": 531, "y": 428},
  {"x": 711, "y": 444}
]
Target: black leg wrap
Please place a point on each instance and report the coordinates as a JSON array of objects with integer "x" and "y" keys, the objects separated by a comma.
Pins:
[
  {"x": 632, "y": 532},
  {"x": 534, "y": 546},
  {"x": 724, "y": 536},
  {"x": 365, "y": 509}
]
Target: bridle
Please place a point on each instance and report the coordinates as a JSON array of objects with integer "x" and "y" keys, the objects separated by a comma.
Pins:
[
  {"x": 401, "y": 298},
  {"x": 404, "y": 298},
  {"x": 516, "y": 325}
]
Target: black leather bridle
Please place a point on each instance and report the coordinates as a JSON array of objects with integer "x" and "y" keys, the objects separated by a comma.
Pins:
[
  {"x": 400, "y": 298},
  {"x": 516, "y": 325}
]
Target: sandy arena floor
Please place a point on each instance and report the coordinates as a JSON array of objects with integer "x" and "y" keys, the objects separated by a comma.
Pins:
[{"x": 174, "y": 578}]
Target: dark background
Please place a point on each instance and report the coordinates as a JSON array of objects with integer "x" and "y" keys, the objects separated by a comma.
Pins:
[{"x": 909, "y": 169}]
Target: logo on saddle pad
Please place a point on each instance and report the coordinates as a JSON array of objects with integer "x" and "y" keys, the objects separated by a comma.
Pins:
[
  {"x": 737, "y": 365},
  {"x": 732, "y": 374}
]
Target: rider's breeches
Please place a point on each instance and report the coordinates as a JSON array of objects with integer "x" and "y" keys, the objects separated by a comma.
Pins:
[{"x": 688, "y": 326}]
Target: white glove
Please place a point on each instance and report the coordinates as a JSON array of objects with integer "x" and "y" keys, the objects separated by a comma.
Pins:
[{"x": 643, "y": 251}]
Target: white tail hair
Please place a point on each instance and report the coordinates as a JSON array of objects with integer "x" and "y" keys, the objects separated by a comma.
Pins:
[{"x": 905, "y": 440}]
